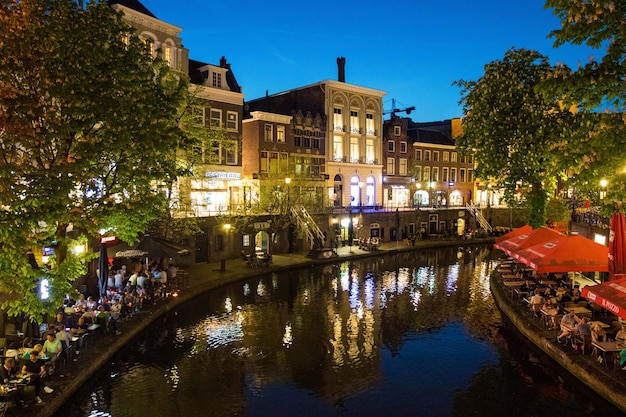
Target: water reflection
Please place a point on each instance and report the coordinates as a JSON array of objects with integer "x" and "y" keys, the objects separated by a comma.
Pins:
[{"x": 391, "y": 335}]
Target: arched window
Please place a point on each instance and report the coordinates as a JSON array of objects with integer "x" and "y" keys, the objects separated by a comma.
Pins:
[
  {"x": 370, "y": 191},
  {"x": 337, "y": 191},
  {"x": 355, "y": 191}
]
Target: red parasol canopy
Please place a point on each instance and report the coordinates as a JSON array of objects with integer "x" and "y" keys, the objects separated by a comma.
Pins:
[
  {"x": 610, "y": 295},
  {"x": 515, "y": 232},
  {"x": 514, "y": 245},
  {"x": 566, "y": 254},
  {"x": 617, "y": 244}
]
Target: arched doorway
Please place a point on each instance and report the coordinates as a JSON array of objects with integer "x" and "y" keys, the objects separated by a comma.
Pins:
[
  {"x": 420, "y": 199},
  {"x": 338, "y": 191},
  {"x": 262, "y": 242}
]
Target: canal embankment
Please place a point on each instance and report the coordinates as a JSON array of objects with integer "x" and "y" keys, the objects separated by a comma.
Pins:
[{"x": 607, "y": 381}]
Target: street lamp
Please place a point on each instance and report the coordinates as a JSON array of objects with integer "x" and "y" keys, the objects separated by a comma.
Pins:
[
  {"x": 603, "y": 184},
  {"x": 291, "y": 228}
]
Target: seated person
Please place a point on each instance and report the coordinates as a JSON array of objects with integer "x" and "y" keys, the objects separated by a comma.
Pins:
[
  {"x": 620, "y": 336},
  {"x": 551, "y": 311},
  {"x": 81, "y": 303},
  {"x": 8, "y": 372},
  {"x": 35, "y": 369},
  {"x": 598, "y": 334},
  {"x": 52, "y": 348},
  {"x": 64, "y": 336},
  {"x": 27, "y": 351},
  {"x": 584, "y": 331},
  {"x": 568, "y": 326},
  {"x": 536, "y": 302},
  {"x": 59, "y": 320}
]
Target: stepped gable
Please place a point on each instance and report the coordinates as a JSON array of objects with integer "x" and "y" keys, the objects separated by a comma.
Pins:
[{"x": 132, "y": 4}]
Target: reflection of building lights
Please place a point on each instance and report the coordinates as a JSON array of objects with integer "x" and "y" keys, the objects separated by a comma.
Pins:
[
  {"x": 228, "y": 305},
  {"x": 288, "y": 336},
  {"x": 246, "y": 289}
]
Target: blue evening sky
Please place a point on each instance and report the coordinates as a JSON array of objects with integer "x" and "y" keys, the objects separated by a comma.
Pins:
[{"x": 411, "y": 49}]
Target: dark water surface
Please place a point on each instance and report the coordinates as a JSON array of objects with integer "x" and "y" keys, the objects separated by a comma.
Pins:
[{"x": 413, "y": 334}]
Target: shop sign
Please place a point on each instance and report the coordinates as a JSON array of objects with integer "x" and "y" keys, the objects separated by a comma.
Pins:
[
  {"x": 261, "y": 225},
  {"x": 223, "y": 175}
]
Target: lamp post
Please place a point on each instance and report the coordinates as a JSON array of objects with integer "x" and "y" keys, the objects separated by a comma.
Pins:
[
  {"x": 431, "y": 185},
  {"x": 419, "y": 194},
  {"x": 291, "y": 228}
]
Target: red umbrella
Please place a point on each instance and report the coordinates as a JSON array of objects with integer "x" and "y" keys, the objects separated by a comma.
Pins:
[
  {"x": 617, "y": 245},
  {"x": 566, "y": 254},
  {"x": 515, "y": 232},
  {"x": 514, "y": 245},
  {"x": 610, "y": 295}
]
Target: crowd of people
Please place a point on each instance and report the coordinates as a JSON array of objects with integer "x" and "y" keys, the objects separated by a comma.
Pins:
[
  {"x": 78, "y": 321},
  {"x": 556, "y": 303}
]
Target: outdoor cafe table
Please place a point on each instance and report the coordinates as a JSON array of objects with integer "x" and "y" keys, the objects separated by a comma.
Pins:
[
  {"x": 607, "y": 348},
  {"x": 599, "y": 323},
  {"x": 513, "y": 284},
  {"x": 580, "y": 311},
  {"x": 509, "y": 276}
]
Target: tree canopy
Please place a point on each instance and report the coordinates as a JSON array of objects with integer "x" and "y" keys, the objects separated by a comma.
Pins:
[
  {"x": 88, "y": 129},
  {"x": 596, "y": 86},
  {"x": 518, "y": 135}
]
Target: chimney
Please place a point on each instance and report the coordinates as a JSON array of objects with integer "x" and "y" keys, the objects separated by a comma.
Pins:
[
  {"x": 341, "y": 68},
  {"x": 223, "y": 63}
]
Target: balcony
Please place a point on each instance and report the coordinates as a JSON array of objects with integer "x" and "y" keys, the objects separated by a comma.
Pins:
[
  {"x": 356, "y": 130},
  {"x": 339, "y": 128}
]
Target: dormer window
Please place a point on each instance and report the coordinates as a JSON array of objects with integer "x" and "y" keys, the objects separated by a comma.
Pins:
[{"x": 217, "y": 80}]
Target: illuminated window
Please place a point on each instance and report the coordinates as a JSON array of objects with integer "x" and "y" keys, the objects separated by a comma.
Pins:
[
  {"x": 402, "y": 166},
  {"x": 391, "y": 166},
  {"x": 337, "y": 119},
  {"x": 280, "y": 134},
  {"x": 369, "y": 124},
  {"x": 446, "y": 157},
  {"x": 453, "y": 157},
  {"x": 355, "y": 127}
]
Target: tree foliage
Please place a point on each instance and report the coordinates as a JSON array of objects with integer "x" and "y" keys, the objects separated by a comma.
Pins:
[
  {"x": 518, "y": 135},
  {"x": 596, "y": 85},
  {"x": 87, "y": 129}
]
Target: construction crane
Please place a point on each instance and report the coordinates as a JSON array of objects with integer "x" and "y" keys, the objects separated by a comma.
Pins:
[{"x": 395, "y": 109}]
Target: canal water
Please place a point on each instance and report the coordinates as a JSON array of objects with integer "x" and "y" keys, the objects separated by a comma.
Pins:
[{"x": 398, "y": 335}]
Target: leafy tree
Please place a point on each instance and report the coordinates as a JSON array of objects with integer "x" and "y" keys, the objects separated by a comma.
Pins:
[
  {"x": 87, "y": 132},
  {"x": 519, "y": 137},
  {"x": 596, "y": 85}
]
